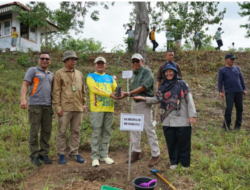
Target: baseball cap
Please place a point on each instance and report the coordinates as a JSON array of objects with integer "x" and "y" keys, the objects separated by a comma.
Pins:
[
  {"x": 137, "y": 56},
  {"x": 230, "y": 56},
  {"x": 100, "y": 59},
  {"x": 169, "y": 65}
]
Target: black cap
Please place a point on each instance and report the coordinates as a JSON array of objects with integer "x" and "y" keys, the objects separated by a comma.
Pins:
[
  {"x": 230, "y": 56},
  {"x": 219, "y": 28}
]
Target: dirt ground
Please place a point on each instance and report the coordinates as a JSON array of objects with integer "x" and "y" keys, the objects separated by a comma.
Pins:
[{"x": 75, "y": 176}]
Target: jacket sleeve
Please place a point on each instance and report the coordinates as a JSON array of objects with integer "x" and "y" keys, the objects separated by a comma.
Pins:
[
  {"x": 152, "y": 100},
  {"x": 95, "y": 89},
  {"x": 148, "y": 79},
  {"x": 114, "y": 85},
  {"x": 83, "y": 92},
  {"x": 242, "y": 80},
  {"x": 220, "y": 80},
  {"x": 190, "y": 105},
  {"x": 56, "y": 98}
]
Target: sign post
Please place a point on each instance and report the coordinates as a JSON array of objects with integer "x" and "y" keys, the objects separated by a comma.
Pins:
[
  {"x": 127, "y": 75},
  {"x": 131, "y": 122}
]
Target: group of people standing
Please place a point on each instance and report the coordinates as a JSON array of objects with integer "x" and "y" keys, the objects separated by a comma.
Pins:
[{"x": 66, "y": 92}]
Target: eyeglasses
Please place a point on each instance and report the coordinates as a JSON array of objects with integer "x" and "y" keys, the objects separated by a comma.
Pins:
[
  {"x": 42, "y": 58},
  {"x": 136, "y": 61},
  {"x": 73, "y": 59}
]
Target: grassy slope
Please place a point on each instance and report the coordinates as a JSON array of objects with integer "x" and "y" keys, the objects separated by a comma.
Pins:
[{"x": 219, "y": 160}]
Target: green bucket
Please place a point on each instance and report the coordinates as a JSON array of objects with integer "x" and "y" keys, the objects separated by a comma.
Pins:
[{"x": 105, "y": 187}]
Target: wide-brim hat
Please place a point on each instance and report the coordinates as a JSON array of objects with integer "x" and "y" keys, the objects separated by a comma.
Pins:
[
  {"x": 69, "y": 54},
  {"x": 169, "y": 66}
]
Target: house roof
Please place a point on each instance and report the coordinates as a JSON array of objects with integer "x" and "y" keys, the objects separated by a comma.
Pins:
[{"x": 8, "y": 7}]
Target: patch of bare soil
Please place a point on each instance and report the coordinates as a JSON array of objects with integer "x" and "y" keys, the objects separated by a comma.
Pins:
[{"x": 75, "y": 176}]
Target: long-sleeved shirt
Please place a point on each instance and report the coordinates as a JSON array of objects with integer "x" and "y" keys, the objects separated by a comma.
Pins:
[
  {"x": 143, "y": 77},
  {"x": 100, "y": 88},
  {"x": 231, "y": 78},
  {"x": 152, "y": 34},
  {"x": 68, "y": 91},
  {"x": 187, "y": 110}
]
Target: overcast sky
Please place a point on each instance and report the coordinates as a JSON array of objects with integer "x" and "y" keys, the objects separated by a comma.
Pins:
[{"x": 110, "y": 32}]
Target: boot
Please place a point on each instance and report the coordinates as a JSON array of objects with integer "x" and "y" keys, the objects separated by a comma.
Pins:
[
  {"x": 134, "y": 157},
  {"x": 153, "y": 161}
]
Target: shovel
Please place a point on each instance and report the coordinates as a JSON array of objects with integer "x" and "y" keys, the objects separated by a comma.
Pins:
[{"x": 155, "y": 172}]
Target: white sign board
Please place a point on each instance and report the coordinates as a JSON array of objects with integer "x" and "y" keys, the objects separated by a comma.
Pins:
[
  {"x": 127, "y": 74},
  {"x": 131, "y": 122}
]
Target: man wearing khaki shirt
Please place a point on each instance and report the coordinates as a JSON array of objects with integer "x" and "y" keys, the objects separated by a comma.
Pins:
[{"x": 69, "y": 101}]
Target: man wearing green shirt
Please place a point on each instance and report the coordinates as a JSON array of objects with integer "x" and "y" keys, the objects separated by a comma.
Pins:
[{"x": 143, "y": 85}]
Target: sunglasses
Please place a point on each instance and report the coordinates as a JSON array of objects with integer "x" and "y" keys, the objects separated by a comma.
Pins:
[
  {"x": 136, "y": 61},
  {"x": 232, "y": 59},
  {"x": 42, "y": 58},
  {"x": 73, "y": 59}
]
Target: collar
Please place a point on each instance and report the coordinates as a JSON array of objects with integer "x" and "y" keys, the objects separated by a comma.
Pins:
[
  {"x": 99, "y": 73},
  {"x": 67, "y": 70},
  {"x": 39, "y": 68},
  {"x": 138, "y": 70}
]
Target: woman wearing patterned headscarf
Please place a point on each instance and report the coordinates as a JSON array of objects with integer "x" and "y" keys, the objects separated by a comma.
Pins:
[{"x": 177, "y": 115}]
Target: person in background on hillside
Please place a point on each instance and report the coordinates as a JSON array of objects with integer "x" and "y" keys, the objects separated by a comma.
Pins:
[
  {"x": 170, "y": 39},
  {"x": 160, "y": 78},
  {"x": 177, "y": 115},
  {"x": 197, "y": 40},
  {"x": 40, "y": 80},
  {"x": 218, "y": 38},
  {"x": 69, "y": 101},
  {"x": 102, "y": 92},
  {"x": 131, "y": 35},
  {"x": 14, "y": 36},
  {"x": 231, "y": 78},
  {"x": 142, "y": 85},
  {"x": 152, "y": 38}
]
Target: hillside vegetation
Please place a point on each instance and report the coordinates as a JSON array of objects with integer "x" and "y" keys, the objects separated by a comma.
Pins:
[{"x": 220, "y": 160}]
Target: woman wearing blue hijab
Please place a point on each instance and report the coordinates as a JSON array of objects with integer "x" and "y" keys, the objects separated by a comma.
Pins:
[{"x": 178, "y": 113}]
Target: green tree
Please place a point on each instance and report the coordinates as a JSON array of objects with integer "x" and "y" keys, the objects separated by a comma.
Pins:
[
  {"x": 83, "y": 45},
  {"x": 245, "y": 8}
]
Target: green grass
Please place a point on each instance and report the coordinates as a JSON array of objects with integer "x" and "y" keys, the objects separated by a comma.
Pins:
[{"x": 219, "y": 160}]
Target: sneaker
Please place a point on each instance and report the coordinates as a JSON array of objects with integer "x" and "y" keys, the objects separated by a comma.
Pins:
[
  {"x": 45, "y": 159},
  {"x": 36, "y": 161},
  {"x": 185, "y": 168},
  {"x": 173, "y": 167},
  {"x": 95, "y": 163},
  {"x": 77, "y": 158},
  {"x": 107, "y": 160},
  {"x": 154, "y": 161},
  {"x": 134, "y": 157},
  {"x": 62, "y": 159}
]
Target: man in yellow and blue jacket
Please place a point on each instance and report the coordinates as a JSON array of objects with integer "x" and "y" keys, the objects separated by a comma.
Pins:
[{"x": 102, "y": 92}]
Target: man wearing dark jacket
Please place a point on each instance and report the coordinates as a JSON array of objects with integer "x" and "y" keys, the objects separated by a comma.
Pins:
[{"x": 231, "y": 78}]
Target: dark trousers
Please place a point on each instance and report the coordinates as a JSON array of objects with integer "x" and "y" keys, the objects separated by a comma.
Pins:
[
  {"x": 179, "y": 144},
  {"x": 40, "y": 118},
  {"x": 234, "y": 98},
  {"x": 220, "y": 43},
  {"x": 155, "y": 44}
]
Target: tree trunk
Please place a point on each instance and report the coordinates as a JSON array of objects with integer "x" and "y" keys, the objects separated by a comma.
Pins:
[{"x": 141, "y": 29}]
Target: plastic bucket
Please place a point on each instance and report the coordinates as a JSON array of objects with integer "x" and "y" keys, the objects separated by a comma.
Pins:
[{"x": 140, "y": 180}]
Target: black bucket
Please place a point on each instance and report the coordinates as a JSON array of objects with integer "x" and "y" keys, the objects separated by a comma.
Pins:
[{"x": 140, "y": 180}]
